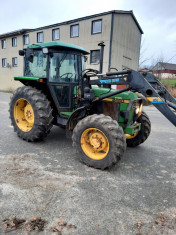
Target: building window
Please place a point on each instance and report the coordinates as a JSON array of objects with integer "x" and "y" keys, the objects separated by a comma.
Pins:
[
  {"x": 14, "y": 42},
  {"x": 26, "y": 39},
  {"x": 56, "y": 34},
  {"x": 3, "y": 44},
  {"x": 4, "y": 62},
  {"x": 74, "y": 31},
  {"x": 95, "y": 57},
  {"x": 40, "y": 37},
  {"x": 96, "y": 26},
  {"x": 14, "y": 62}
]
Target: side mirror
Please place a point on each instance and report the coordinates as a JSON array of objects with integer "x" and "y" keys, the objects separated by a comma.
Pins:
[
  {"x": 21, "y": 52},
  {"x": 29, "y": 54}
]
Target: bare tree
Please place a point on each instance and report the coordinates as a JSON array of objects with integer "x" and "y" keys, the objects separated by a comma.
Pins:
[
  {"x": 156, "y": 65},
  {"x": 142, "y": 57}
]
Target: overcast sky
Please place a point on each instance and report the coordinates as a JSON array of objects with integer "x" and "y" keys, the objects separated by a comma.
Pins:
[{"x": 157, "y": 18}]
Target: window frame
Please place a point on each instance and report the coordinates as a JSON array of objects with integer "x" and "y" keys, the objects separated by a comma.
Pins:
[
  {"x": 54, "y": 34},
  {"x": 13, "y": 60},
  {"x": 94, "y": 21},
  {"x": 4, "y": 59},
  {"x": 24, "y": 39},
  {"x": 71, "y": 30},
  {"x": 2, "y": 44},
  {"x": 42, "y": 38},
  {"x": 14, "y": 39},
  {"x": 26, "y": 74},
  {"x": 91, "y": 51}
]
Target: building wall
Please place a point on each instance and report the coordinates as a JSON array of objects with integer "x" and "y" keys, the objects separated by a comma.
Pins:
[
  {"x": 85, "y": 39},
  {"x": 124, "y": 52},
  {"x": 6, "y": 74},
  {"x": 125, "y": 42},
  {"x": 162, "y": 75}
]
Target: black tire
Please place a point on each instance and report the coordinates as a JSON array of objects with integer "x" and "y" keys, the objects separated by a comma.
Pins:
[
  {"x": 114, "y": 134},
  {"x": 42, "y": 113},
  {"x": 143, "y": 133}
]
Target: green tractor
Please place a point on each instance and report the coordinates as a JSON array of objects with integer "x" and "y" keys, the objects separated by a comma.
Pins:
[{"x": 58, "y": 90}]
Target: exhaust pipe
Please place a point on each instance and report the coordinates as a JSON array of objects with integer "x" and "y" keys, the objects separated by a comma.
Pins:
[{"x": 102, "y": 45}]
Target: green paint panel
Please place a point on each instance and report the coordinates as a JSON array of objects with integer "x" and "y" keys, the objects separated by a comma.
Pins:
[
  {"x": 26, "y": 78},
  {"x": 132, "y": 112},
  {"x": 131, "y": 130},
  {"x": 127, "y": 95},
  {"x": 67, "y": 114},
  {"x": 59, "y": 44}
]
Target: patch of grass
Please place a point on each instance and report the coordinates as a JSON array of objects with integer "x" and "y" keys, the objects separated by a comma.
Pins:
[{"x": 169, "y": 82}]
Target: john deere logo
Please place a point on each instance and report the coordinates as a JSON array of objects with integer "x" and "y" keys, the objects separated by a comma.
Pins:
[
  {"x": 110, "y": 80},
  {"x": 155, "y": 100}
]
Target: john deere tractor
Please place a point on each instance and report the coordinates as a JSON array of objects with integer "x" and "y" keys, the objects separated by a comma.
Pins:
[{"x": 58, "y": 90}]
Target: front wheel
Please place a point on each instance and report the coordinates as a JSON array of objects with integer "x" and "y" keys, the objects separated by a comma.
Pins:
[
  {"x": 141, "y": 136},
  {"x": 30, "y": 113},
  {"x": 99, "y": 141}
]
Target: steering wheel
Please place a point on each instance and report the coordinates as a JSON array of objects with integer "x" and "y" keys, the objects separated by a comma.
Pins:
[
  {"x": 90, "y": 72},
  {"x": 68, "y": 75}
]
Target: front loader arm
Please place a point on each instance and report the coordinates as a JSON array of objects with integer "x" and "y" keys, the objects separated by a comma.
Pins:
[
  {"x": 155, "y": 92},
  {"x": 147, "y": 84}
]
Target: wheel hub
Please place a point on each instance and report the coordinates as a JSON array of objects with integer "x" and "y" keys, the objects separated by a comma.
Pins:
[
  {"x": 97, "y": 140},
  {"x": 94, "y": 143},
  {"x": 23, "y": 115},
  {"x": 28, "y": 113}
]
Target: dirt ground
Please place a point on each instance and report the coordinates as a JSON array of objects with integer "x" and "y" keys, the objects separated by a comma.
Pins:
[{"x": 44, "y": 189}]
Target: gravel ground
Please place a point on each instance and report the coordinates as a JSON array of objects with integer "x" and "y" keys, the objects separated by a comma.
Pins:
[{"x": 43, "y": 186}]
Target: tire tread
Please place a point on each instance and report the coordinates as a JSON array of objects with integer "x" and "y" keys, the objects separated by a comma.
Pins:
[
  {"x": 109, "y": 126},
  {"x": 43, "y": 116}
]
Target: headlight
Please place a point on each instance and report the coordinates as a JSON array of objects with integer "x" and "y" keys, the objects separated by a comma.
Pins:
[{"x": 137, "y": 110}]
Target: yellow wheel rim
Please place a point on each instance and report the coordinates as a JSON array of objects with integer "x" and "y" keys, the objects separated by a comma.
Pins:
[
  {"x": 24, "y": 115},
  {"x": 94, "y": 143},
  {"x": 128, "y": 137}
]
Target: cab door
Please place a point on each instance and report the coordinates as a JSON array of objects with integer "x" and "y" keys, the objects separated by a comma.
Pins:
[{"x": 64, "y": 70}]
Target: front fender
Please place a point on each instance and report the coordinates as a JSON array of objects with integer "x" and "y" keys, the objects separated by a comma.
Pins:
[{"x": 77, "y": 115}]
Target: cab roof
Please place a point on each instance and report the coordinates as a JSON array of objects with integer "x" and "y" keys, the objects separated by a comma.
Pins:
[{"x": 61, "y": 45}]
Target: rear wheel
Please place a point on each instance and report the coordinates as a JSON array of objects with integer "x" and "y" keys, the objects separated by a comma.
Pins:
[
  {"x": 99, "y": 141},
  {"x": 141, "y": 136},
  {"x": 30, "y": 114}
]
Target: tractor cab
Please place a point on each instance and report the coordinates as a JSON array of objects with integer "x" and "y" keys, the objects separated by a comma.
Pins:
[
  {"x": 59, "y": 65},
  {"x": 64, "y": 71}
]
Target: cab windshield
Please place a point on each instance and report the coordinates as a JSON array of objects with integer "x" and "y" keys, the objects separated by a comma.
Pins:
[
  {"x": 64, "y": 67},
  {"x": 36, "y": 68}
]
